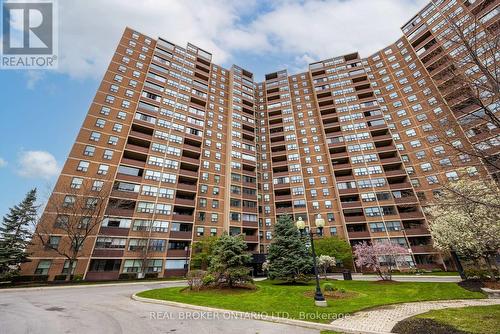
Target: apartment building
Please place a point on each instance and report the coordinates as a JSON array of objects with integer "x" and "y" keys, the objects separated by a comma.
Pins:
[{"x": 175, "y": 148}]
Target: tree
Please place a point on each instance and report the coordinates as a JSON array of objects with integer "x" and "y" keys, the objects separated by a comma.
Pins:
[
  {"x": 288, "y": 256},
  {"x": 470, "y": 84},
  {"x": 336, "y": 248},
  {"x": 465, "y": 218},
  {"x": 202, "y": 250},
  {"x": 79, "y": 213},
  {"x": 229, "y": 260},
  {"x": 381, "y": 257},
  {"x": 326, "y": 262},
  {"x": 15, "y": 234}
]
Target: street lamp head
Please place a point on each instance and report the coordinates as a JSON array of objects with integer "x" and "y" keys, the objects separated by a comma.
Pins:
[
  {"x": 320, "y": 222},
  {"x": 301, "y": 225}
]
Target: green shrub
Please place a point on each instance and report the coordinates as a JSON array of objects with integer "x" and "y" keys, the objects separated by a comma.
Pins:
[
  {"x": 208, "y": 279},
  {"x": 150, "y": 275},
  {"x": 342, "y": 290},
  {"x": 77, "y": 278},
  {"x": 8, "y": 276},
  {"x": 127, "y": 276},
  {"x": 479, "y": 273},
  {"x": 329, "y": 287},
  {"x": 30, "y": 278}
]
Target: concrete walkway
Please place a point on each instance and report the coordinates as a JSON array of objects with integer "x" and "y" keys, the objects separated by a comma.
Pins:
[
  {"x": 383, "y": 319},
  {"x": 403, "y": 278}
]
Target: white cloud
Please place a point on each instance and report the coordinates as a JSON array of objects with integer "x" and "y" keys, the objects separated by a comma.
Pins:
[
  {"x": 33, "y": 78},
  {"x": 37, "y": 164},
  {"x": 305, "y": 30},
  {"x": 3, "y": 163}
]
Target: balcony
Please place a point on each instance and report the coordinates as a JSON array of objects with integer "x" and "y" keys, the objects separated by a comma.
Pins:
[
  {"x": 251, "y": 238},
  {"x": 183, "y": 217},
  {"x": 246, "y": 223},
  {"x": 355, "y": 204},
  {"x": 397, "y": 172},
  {"x": 124, "y": 194},
  {"x": 185, "y": 201},
  {"x": 115, "y": 231},
  {"x": 406, "y": 200},
  {"x": 137, "y": 148},
  {"x": 411, "y": 215},
  {"x": 190, "y": 160},
  {"x": 108, "y": 252},
  {"x": 187, "y": 186},
  {"x": 354, "y": 219},
  {"x": 119, "y": 212},
  {"x": 401, "y": 185},
  {"x": 423, "y": 249},
  {"x": 358, "y": 234},
  {"x": 131, "y": 178},
  {"x": 141, "y": 135},
  {"x": 348, "y": 191},
  {"x": 177, "y": 253},
  {"x": 283, "y": 198},
  {"x": 181, "y": 235},
  {"x": 416, "y": 231}
]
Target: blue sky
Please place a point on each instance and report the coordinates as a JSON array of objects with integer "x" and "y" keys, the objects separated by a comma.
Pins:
[{"x": 43, "y": 110}]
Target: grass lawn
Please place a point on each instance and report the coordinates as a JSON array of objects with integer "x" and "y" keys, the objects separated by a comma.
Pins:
[
  {"x": 291, "y": 301},
  {"x": 474, "y": 319}
]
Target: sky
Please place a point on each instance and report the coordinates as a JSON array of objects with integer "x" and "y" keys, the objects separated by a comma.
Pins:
[{"x": 43, "y": 110}]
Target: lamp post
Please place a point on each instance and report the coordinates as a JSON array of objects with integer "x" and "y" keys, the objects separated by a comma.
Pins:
[
  {"x": 186, "y": 265},
  {"x": 319, "y": 299}
]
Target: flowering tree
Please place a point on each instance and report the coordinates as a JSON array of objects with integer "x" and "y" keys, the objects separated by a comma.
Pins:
[
  {"x": 326, "y": 262},
  {"x": 466, "y": 218},
  {"x": 381, "y": 257}
]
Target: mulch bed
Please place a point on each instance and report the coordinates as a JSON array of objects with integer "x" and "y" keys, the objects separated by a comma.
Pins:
[
  {"x": 424, "y": 326},
  {"x": 333, "y": 294},
  {"x": 476, "y": 285},
  {"x": 386, "y": 282}
]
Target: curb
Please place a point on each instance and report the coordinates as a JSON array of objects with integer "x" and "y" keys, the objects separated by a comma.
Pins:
[
  {"x": 39, "y": 288},
  {"x": 253, "y": 316}
]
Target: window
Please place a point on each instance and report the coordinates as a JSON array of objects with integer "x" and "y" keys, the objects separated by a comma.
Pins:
[
  {"x": 103, "y": 169},
  {"x": 154, "y": 266},
  {"x": 69, "y": 201},
  {"x": 43, "y": 267},
  {"x": 95, "y": 136},
  {"x": 132, "y": 266},
  {"x": 89, "y": 151},
  {"x": 108, "y": 154},
  {"x": 54, "y": 241},
  {"x": 83, "y": 166},
  {"x": 113, "y": 140},
  {"x": 66, "y": 267},
  {"x": 175, "y": 264},
  {"x": 76, "y": 183}
]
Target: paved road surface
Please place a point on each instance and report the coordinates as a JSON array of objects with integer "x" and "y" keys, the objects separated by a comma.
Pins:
[
  {"x": 110, "y": 310},
  {"x": 403, "y": 278}
]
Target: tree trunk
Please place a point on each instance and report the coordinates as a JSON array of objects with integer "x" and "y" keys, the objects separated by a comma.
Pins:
[
  {"x": 490, "y": 267},
  {"x": 70, "y": 269}
]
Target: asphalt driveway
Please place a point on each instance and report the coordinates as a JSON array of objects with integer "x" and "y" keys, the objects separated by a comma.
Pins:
[{"x": 109, "y": 309}]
